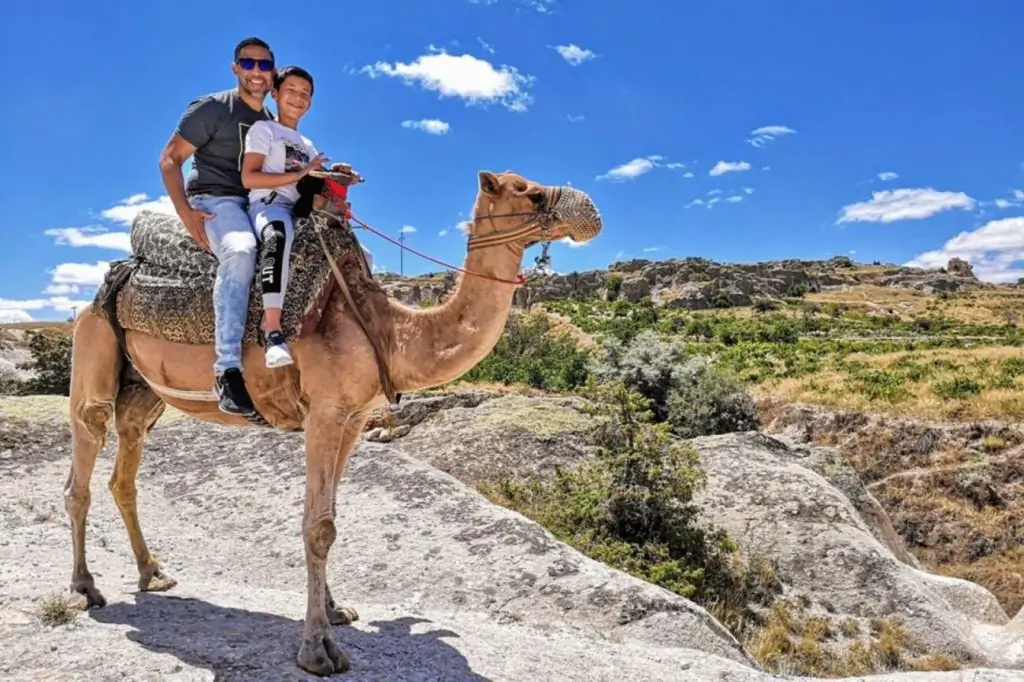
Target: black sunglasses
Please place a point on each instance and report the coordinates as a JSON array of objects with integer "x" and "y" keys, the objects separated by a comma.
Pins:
[{"x": 248, "y": 63}]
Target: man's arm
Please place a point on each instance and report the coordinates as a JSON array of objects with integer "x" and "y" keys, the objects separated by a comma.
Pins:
[{"x": 195, "y": 128}]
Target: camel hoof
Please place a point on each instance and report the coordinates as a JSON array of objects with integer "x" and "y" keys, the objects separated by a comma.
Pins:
[
  {"x": 338, "y": 616},
  {"x": 344, "y": 615},
  {"x": 158, "y": 583},
  {"x": 321, "y": 656},
  {"x": 86, "y": 596}
]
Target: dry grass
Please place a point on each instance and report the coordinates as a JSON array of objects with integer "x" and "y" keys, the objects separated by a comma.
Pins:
[
  {"x": 983, "y": 305},
  {"x": 962, "y": 384},
  {"x": 57, "y": 610},
  {"x": 794, "y": 640},
  {"x": 965, "y": 520}
]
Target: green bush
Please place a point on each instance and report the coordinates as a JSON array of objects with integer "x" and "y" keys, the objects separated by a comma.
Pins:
[
  {"x": 690, "y": 393},
  {"x": 51, "y": 364},
  {"x": 529, "y": 352},
  {"x": 631, "y": 507},
  {"x": 706, "y": 402}
]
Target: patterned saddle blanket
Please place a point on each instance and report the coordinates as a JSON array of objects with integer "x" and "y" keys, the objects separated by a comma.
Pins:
[{"x": 168, "y": 292}]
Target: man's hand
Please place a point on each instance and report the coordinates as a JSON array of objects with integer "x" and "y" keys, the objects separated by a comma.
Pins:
[{"x": 195, "y": 223}]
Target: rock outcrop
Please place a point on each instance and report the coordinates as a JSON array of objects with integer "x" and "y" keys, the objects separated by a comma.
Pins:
[
  {"x": 448, "y": 586},
  {"x": 699, "y": 283},
  {"x": 800, "y": 505}
]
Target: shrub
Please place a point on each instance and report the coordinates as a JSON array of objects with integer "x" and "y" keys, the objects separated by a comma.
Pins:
[
  {"x": 957, "y": 388},
  {"x": 51, "y": 363},
  {"x": 531, "y": 353},
  {"x": 706, "y": 402},
  {"x": 631, "y": 507},
  {"x": 646, "y": 366},
  {"x": 612, "y": 284},
  {"x": 689, "y": 393}
]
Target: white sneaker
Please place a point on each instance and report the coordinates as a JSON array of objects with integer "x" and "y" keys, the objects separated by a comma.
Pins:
[{"x": 277, "y": 353}]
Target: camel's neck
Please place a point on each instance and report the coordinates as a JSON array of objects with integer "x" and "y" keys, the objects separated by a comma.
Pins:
[{"x": 437, "y": 345}]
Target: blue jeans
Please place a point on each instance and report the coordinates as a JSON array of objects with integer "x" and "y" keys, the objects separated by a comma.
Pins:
[{"x": 233, "y": 242}]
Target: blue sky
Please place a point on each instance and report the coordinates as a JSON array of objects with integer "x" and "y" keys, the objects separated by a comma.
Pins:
[{"x": 737, "y": 131}]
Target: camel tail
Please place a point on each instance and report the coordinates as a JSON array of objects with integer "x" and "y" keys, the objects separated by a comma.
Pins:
[{"x": 117, "y": 276}]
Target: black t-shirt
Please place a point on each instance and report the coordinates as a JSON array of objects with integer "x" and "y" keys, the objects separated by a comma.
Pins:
[{"x": 216, "y": 125}]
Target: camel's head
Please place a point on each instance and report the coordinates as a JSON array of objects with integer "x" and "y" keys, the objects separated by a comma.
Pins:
[{"x": 513, "y": 210}]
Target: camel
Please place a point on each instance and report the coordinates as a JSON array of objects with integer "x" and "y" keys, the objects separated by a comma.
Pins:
[{"x": 329, "y": 393}]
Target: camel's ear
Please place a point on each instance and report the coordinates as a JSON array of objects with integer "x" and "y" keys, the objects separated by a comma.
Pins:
[{"x": 489, "y": 183}]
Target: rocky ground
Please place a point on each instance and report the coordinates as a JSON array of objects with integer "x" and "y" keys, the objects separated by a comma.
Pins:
[
  {"x": 449, "y": 586},
  {"x": 699, "y": 283}
]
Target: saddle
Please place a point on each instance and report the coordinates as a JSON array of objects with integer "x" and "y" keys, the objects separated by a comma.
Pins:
[{"x": 165, "y": 288}]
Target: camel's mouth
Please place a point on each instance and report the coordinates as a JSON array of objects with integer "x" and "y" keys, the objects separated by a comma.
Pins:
[{"x": 573, "y": 215}]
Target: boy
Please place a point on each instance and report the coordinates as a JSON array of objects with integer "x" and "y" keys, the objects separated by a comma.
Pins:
[{"x": 276, "y": 157}]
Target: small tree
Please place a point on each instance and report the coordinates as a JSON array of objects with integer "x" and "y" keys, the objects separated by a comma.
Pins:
[{"x": 51, "y": 363}]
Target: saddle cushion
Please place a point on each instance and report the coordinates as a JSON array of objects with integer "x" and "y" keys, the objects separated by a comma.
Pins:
[{"x": 169, "y": 292}]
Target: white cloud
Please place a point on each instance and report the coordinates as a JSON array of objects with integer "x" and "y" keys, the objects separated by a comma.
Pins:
[
  {"x": 574, "y": 54},
  {"x": 571, "y": 244},
  {"x": 735, "y": 199},
  {"x": 61, "y": 289},
  {"x": 687, "y": 174},
  {"x": 18, "y": 311},
  {"x": 748, "y": 190},
  {"x": 695, "y": 202},
  {"x": 885, "y": 176},
  {"x": 713, "y": 192},
  {"x": 407, "y": 229},
  {"x": 484, "y": 44},
  {"x": 996, "y": 250},
  {"x": 96, "y": 237},
  {"x": 474, "y": 80},
  {"x": 723, "y": 167},
  {"x": 637, "y": 167},
  {"x": 442, "y": 233},
  {"x": 540, "y": 6},
  {"x": 574, "y": 119},
  {"x": 652, "y": 249},
  {"x": 765, "y": 134},
  {"x": 904, "y": 204},
  {"x": 79, "y": 274},
  {"x": 464, "y": 226},
  {"x": 13, "y": 315},
  {"x": 1016, "y": 199},
  {"x": 630, "y": 169},
  {"x": 126, "y": 211},
  {"x": 428, "y": 125}
]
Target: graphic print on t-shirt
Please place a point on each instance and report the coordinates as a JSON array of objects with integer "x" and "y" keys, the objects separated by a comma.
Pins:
[{"x": 295, "y": 159}]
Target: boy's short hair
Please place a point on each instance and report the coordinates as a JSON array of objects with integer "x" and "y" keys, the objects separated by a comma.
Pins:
[
  {"x": 293, "y": 71},
  {"x": 252, "y": 40}
]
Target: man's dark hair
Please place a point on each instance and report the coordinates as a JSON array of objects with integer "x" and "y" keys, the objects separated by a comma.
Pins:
[
  {"x": 252, "y": 40},
  {"x": 292, "y": 71}
]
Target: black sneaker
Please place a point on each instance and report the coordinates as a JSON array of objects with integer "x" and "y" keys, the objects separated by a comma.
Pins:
[{"x": 234, "y": 398}]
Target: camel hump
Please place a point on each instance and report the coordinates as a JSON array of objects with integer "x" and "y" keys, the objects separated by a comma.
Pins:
[{"x": 169, "y": 291}]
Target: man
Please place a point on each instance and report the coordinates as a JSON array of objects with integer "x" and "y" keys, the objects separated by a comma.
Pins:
[{"x": 213, "y": 203}]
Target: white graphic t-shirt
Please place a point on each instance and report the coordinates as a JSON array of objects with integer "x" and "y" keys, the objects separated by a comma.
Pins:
[{"x": 285, "y": 150}]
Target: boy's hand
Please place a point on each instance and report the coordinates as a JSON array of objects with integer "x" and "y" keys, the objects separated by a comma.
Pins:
[{"x": 316, "y": 163}]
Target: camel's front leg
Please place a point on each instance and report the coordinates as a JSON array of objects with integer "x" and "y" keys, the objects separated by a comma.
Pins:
[
  {"x": 343, "y": 615},
  {"x": 324, "y": 431}
]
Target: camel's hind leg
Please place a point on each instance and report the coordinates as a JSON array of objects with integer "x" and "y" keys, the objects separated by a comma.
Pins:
[
  {"x": 95, "y": 368},
  {"x": 136, "y": 410}
]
